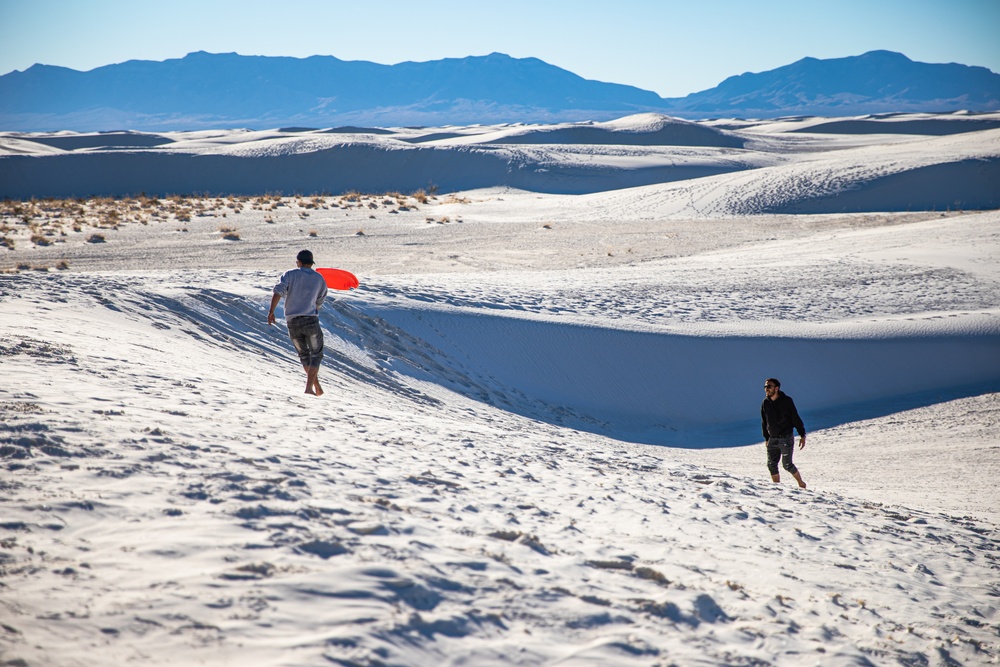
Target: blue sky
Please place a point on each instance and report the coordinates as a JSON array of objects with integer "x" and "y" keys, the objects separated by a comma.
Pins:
[{"x": 672, "y": 48}]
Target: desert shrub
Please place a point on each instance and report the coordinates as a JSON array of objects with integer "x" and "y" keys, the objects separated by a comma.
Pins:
[{"x": 96, "y": 238}]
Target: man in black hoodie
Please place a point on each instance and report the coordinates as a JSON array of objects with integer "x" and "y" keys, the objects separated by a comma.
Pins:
[{"x": 778, "y": 417}]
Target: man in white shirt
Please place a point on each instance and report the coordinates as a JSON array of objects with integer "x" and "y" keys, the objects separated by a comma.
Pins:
[{"x": 304, "y": 291}]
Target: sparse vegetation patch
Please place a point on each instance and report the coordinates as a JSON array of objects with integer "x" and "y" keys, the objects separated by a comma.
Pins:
[{"x": 26, "y": 225}]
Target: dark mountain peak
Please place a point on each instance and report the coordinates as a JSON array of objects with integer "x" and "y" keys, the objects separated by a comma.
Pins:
[
  {"x": 494, "y": 61},
  {"x": 873, "y": 82},
  {"x": 223, "y": 90},
  {"x": 882, "y": 54},
  {"x": 42, "y": 70},
  {"x": 213, "y": 90}
]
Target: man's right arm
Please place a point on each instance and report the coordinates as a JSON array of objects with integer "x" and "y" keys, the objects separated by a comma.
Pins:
[
  {"x": 763, "y": 421},
  {"x": 279, "y": 290},
  {"x": 275, "y": 298}
]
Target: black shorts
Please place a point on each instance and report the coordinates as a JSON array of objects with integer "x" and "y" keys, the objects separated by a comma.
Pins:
[
  {"x": 781, "y": 449},
  {"x": 307, "y": 337}
]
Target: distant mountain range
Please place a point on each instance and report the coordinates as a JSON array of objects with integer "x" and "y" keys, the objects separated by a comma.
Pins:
[{"x": 213, "y": 91}]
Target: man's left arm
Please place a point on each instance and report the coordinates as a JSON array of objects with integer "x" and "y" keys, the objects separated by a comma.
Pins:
[{"x": 797, "y": 422}]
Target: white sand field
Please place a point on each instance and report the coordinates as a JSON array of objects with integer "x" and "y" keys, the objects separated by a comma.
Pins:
[{"x": 540, "y": 440}]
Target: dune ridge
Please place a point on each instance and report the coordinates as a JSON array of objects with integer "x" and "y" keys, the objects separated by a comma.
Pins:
[{"x": 766, "y": 168}]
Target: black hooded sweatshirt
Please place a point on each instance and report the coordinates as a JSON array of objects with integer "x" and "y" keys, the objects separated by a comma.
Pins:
[{"x": 779, "y": 417}]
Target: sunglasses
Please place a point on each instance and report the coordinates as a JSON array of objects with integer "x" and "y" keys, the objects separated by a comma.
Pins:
[{"x": 770, "y": 386}]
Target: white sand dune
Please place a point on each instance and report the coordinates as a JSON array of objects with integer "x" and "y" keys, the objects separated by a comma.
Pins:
[
  {"x": 766, "y": 167},
  {"x": 539, "y": 442},
  {"x": 639, "y": 130}
]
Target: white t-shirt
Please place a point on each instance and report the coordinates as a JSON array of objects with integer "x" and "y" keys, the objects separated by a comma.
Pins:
[{"x": 304, "y": 291}]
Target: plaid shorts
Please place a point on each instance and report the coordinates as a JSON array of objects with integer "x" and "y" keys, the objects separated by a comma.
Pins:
[{"x": 307, "y": 337}]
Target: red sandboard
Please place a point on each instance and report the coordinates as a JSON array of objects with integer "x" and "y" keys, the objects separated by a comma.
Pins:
[{"x": 338, "y": 278}]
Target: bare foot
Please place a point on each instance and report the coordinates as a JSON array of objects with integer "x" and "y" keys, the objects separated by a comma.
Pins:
[{"x": 312, "y": 381}]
